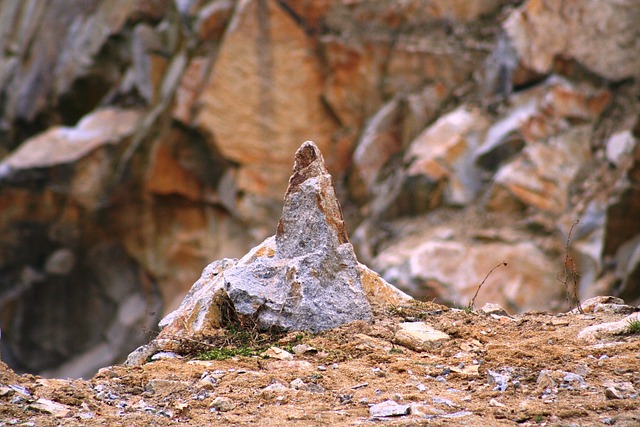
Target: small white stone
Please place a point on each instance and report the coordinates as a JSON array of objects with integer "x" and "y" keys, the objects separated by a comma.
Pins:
[
  {"x": 278, "y": 353},
  {"x": 51, "y": 407},
  {"x": 619, "y": 145},
  {"x": 276, "y": 387},
  {"x": 163, "y": 355},
  {"x": 612, "y": 393},
  {"x": 496, "y": 404},
  {"x": 419, "y": 336},
  {"x": 389, "y": 408}
]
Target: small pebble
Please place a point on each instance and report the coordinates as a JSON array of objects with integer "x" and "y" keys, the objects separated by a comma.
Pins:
[
  {"x": 303, "y": 348},
  {"x": 19, "y": 389},
  {"x": 275, "y": 387},
  {"x": 612, "y": 393},
  {"x": 222, "y": 404},
  {"x": 86, "y": 415},
  {"x": 322, "y": 368},
  {"x": 389, "y": 408},
  {"x": 163, "y": 355},
  {"x": 496, "y": 404},
  {"x": 571, "y": 377},
  {"x": 207, "y": 382},
  {"x": 314, "y": 388}
]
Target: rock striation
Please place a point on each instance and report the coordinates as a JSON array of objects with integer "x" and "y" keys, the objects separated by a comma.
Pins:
[{"x": 306, "y": 277}]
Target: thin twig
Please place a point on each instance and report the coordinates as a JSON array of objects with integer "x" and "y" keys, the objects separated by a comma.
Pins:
[
  {"x": 570, "y": 272},
  {"x": 181, "y": 339},
  {"x": 472, "y": 303}
]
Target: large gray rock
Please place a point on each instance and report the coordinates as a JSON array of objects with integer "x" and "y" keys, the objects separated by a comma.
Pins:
[
  {"x": 311, "y": 280},
  {"x": 306, "y": 277}
]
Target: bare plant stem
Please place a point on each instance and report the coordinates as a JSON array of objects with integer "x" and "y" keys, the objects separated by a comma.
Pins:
[
  {"x": 191, "y": 340},
  {"x": 472, "y": 303},
  {"x": 570, "y": 273}
]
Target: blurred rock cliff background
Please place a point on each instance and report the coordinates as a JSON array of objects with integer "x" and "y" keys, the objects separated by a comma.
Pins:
[{"x": 141, "y": 140}]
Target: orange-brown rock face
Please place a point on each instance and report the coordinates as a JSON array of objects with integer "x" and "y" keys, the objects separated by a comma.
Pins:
[{"x": 264, "y": 96}]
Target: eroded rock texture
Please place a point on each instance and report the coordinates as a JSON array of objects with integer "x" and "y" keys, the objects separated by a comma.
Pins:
[
  {"x": 312, "y": 280},
  {"x": 306, "y": 277}
]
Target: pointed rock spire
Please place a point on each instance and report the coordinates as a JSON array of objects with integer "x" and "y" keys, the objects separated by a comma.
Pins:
[
  {"x": 312, "y": 216},
  {"x": 312, "y": 280},
  {"x": 306, "y": 277}
]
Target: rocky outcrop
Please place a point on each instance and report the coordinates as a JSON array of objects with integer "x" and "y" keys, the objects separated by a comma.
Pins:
[
  {"x": 306, "y": 277},
  {"x": 526, "y": 160},
  {"x": 599, "y": 34},
  {"x": 442, "y": 154}
]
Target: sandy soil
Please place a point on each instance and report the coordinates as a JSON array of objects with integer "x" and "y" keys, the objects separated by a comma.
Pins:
[{"x": 487, "y": 374}]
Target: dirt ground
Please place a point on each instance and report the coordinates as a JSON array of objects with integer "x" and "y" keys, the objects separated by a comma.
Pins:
[{"x": 487, "y": 374}]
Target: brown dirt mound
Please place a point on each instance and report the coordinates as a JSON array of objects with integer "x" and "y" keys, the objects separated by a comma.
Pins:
[{"x": 488, "y": 373}]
